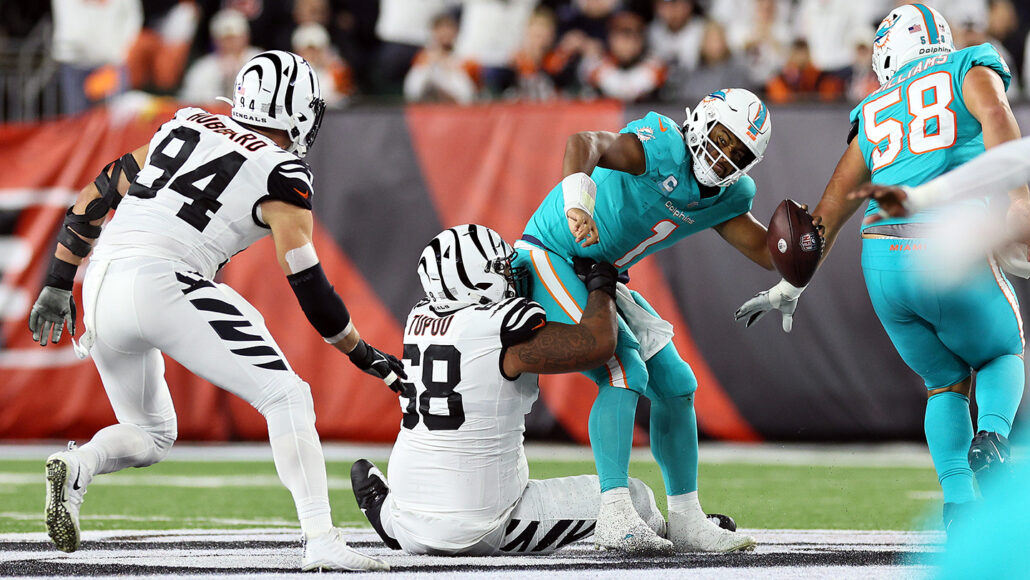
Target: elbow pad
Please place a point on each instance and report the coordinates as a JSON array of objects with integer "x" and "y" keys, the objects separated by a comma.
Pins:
[{"x": 321, "y": 304}]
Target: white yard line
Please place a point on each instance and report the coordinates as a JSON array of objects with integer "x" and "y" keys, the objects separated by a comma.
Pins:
[{"x": 160, "y": 549}]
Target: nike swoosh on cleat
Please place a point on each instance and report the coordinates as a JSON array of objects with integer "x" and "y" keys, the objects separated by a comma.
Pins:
[{"x": 75, "y": 485}]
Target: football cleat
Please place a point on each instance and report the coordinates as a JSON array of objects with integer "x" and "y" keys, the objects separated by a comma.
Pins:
[
  {"x": 66, "y": 482},
  {"x": 697, "y": 532},
  {"x": 329, "y": 551},
  {"x": 620, "y": 527},
  {"x": 989, "y": 459},
  {"x": 370, "y": 490}
]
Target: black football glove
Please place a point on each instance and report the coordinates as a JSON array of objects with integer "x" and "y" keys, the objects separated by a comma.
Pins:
[
  {"x": 52, "y": 310},
  {"x": 379, "y": 364},
  {"x": 596, "y": 275}
]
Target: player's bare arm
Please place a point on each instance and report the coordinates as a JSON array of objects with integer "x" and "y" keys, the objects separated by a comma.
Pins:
[
  {"x": 984, "y": 95},
  {"x": 562, "y": 348},
  {"x": 585, "y": 151},
  {"x": 747, "y": 235},
  {"x": 835, "y": 207},
  {"x": 292, "y": 228},
  {"x": 55, "y": 305}
]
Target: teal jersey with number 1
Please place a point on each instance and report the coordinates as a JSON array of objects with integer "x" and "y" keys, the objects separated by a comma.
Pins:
[
  {"x": 917, "y": 126},
  {"x": 638, "y": 215}
]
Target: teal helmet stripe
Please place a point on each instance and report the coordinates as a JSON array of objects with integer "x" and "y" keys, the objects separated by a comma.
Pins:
[{"x": 931, "y": 24}]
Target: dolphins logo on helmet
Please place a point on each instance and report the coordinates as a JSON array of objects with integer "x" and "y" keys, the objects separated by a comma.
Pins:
[{"x": 907, "y": 33}]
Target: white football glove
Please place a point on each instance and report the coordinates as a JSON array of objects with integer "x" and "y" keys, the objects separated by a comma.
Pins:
[{"x": 783, "y": 297}]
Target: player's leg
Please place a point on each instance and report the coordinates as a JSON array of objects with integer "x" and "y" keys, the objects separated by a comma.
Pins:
[
  {"x": 980, "y": 322},
  {"x": 895, "y": 294},
  {"x": 671, "y": 387},
  {"x": 555, "y": 286},
  {"x": 132, "y": 372},
  {"x": 553, "y": 513},
  {"x": 216, "y": 334}
]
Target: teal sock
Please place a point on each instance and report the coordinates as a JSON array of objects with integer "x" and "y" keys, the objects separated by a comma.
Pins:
[
  {"x": 674, "y": 442},
  {"x": 611, "y": 434},
  {"x": 949, "y": 432},
  {"x": 999, "y": 388}
]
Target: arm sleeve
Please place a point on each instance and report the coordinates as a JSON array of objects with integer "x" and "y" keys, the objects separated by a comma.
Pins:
[
  {"x": 998, "y": 170},
  {"x": 290, "y": 181},
  {"x": 522, "y": 318}
]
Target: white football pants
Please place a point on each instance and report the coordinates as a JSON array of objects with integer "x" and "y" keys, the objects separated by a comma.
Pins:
[
  {"x": 551, "y": 513},
  {"x": 141, "y": 307}
]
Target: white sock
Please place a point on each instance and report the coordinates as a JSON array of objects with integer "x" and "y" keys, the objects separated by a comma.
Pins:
[
  {"x": 613, "y": 496},
  {"x": 298, "y": 458},
  {"x": 684, "y": 503}
]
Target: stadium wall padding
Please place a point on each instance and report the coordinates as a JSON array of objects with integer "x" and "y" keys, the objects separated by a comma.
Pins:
[{"x": 386, "y": 181}]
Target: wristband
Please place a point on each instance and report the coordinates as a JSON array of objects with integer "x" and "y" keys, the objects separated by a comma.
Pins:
[
  {"x": 788, "y": 290},
  {"x": 61, "y": 274},
  {"x": 359, "y": 355},
  {"x": 579, "y": 192}
]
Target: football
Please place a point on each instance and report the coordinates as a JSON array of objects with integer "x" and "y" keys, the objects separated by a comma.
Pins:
[{"x": 794, "y": 243}]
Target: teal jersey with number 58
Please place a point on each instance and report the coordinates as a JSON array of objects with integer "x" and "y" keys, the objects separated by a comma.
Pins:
[
  {"x": 917, "y": 126},
  {"x": 638, "y": 215}
]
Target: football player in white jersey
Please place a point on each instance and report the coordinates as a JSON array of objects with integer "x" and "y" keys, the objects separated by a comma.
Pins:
[
  {"x": 459, "y": 482},
  {"x": 204, "y": 188}
]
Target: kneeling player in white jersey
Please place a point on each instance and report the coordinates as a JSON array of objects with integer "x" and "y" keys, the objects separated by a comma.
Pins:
[
  {"x": 209, "y": 186},
  {"x": 459, "y": 482}
]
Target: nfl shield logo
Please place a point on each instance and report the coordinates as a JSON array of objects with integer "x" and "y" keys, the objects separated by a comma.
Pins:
[{"x": 809, "y": 243}]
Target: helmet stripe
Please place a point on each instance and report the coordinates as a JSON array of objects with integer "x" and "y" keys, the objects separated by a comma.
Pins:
[
  {"x": 289, "y": 87},
  {"x": 459, "y": 264},
  {"x": 278, "y": 79},
  {"x": 928, "y": 20},
  {"x": 474, "y": 234},
  {"x": 435, "y": 244}
]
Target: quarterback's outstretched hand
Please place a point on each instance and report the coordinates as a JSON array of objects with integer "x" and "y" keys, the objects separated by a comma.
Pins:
[
  {"x": 783, "y": 297},
  {"x": 582, "y": 226},
  {"x": 52, "y": 310},
  {"x": 377, "y": 363}
]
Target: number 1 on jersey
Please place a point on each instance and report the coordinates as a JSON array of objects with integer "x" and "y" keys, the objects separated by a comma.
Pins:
[{"x": 661, "y": 231}]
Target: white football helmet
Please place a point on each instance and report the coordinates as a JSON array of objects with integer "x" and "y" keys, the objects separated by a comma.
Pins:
[
  {"x": 907, "y": 33},
  {"x": 468, "y": 264},
  {"x": 744, "y": 115},
  {"x": 279, "y": 90}
]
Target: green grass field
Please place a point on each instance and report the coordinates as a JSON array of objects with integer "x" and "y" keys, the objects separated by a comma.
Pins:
[{"x": 240, "y": 494}]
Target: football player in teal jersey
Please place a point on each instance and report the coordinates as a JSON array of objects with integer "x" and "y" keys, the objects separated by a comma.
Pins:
[
  {"x": 627, "y": 195},
  {"x": 937, "y": 108}
]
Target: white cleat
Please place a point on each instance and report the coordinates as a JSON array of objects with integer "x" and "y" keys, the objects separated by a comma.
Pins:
[
  {"x": 695, "y": 532},
  {"x": 66, "y": 483},
  {"x": 619, "y": 527},
  {"x": 329, "y": 551}
]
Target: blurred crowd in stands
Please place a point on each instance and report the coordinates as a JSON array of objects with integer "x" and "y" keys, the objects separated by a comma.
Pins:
[{"x": 466, "y": 51}]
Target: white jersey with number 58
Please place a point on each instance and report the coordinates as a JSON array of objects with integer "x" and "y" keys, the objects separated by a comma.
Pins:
[
  {"x": 195, "y": 200},
  {"x": 458, "y": 465}
]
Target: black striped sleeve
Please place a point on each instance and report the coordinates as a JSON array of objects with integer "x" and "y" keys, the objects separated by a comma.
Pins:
[
  {"x": 522, "y": 318},
  {"x": 291, "y": 181}
]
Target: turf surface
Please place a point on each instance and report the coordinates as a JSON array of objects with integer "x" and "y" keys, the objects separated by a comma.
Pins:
[{"x": 237, "y": 494}]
